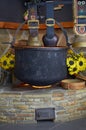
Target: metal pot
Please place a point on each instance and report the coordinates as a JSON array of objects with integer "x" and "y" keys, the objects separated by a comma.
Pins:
[{"x": 41, "y": 65}]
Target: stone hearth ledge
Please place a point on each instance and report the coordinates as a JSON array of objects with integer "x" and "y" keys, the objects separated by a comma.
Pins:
[{"x": 18, "y": 105}]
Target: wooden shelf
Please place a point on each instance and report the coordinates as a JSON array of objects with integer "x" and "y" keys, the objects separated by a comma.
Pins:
[{"x": 11, "y": 25}]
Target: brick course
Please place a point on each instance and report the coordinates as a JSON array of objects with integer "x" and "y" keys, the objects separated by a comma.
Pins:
[{"x": 20, "y": 106}]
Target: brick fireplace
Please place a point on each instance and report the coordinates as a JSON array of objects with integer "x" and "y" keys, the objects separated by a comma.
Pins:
[{"x": 18, "y": 105}]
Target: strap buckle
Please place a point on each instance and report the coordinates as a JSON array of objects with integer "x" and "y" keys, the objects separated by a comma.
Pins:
[
  {"x": 33, "y": 24},
  {"x": 50, "y": 22}
]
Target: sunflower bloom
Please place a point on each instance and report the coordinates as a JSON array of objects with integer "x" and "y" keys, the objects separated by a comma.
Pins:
[
  {"x": 70, "y": 62},
  {"x": 81, "y": 63},
  {"x": 76, "y": 62},
  {"x": 4, "y": 63},
  {"x": 70, "y": 51},
  {"x": 73, "y": 70},
  {"x": 12, "y": 62},
  {"x": 7, "y": 61}
]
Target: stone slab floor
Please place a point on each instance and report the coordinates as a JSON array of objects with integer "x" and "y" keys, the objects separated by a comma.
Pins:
[{"x": 79, "y": 124}]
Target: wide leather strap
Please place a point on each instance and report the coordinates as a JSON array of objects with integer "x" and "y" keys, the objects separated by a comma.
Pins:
[
  {"x": 50, "y": 19},
  {"x": 32, "y": 20}
]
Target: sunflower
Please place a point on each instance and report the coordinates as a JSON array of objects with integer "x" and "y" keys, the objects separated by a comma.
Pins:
[
  {"x": 4, "y": 62},
  {"x": 70, "y": 51},
  {"x": 76, "y": 62},
  {"x": 8, "y": 55},
  {"x": 11, "y": 62},
  {"x": 13, "y": 56},
  {"x": 70, "y": 62},
  {"x": 73, "y": 70},
  {"x": 7, "y": 61},
  {"x": 81, "y": 63},
  {"x": 80, "y": 54}
]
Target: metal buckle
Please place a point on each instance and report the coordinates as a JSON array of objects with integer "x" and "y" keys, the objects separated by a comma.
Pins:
[
  {"x": 33, "y": 24},
  {"x": 50, "y": 22},
  {"x": 80, "y": 24},
  {"x": 81, "y": 16}
]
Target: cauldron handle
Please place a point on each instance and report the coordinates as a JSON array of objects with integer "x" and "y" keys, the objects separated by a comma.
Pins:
[
  {"x": 20, "y": 26},
  {"x": 64, "y": 32},
  {"x": 14, "y": 38}
]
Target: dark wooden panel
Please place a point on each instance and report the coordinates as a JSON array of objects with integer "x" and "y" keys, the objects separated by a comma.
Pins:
[
  {"x": 12, "y": 10},
  {"x": 11, "y": 14},
  {"x": 63, "y": 15}
]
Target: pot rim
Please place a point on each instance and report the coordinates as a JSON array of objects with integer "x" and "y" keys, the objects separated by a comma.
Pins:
[{"x": 40, "y": 48}]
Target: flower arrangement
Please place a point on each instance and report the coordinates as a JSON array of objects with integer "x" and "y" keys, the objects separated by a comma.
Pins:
[
  {"x": 76, "y": 62},
  {"x": 7, "y": 61}
]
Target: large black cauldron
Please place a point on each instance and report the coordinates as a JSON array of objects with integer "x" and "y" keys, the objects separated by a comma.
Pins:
[{"x": 40, "y": 65}]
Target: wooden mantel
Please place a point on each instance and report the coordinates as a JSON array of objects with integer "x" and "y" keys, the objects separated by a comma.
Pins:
[
  {"x": 13, "y": 25},
  {"x": 12, "y": 13}
]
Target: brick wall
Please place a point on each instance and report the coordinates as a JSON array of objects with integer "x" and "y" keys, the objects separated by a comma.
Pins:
[{"x": 19, "y": 106}]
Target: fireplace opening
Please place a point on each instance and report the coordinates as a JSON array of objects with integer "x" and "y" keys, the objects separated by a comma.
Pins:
[{"x": 44, "y": 114}]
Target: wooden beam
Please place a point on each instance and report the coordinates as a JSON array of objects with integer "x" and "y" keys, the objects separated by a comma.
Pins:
[{"x": 11, "y": 25}]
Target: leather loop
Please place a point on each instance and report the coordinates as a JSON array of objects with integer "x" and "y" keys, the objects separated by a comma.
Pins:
[
  {"x": 33, "y": 24},
  {"x": 50, "y": 22}
]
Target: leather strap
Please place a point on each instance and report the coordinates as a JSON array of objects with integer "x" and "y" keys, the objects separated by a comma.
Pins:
[
  {"x": 50, "y": 19},
  {"x": 32, "y": 20}
]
